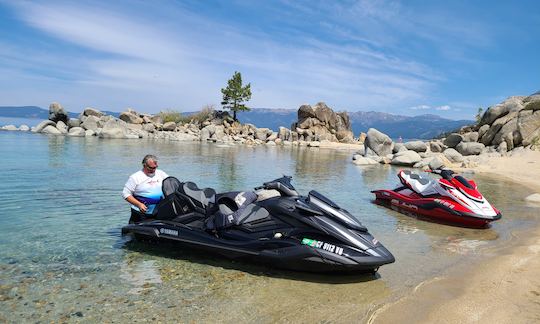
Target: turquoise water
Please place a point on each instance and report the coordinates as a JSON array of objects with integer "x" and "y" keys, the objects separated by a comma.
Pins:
[{"x": 63, "y": 257}]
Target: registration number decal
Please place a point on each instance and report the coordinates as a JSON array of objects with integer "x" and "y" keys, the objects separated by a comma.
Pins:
[
  {"x": 168, "y": 231},
  {"x": 323, "y": 245}
]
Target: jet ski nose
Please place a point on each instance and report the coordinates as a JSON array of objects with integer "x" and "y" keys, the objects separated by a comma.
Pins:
[{"x": 382, "y": 254}]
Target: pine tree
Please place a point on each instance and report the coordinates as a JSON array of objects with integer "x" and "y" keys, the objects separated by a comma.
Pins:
[
  {"x": 479, "y": 114},
  {"x": 234, "y": 95}
]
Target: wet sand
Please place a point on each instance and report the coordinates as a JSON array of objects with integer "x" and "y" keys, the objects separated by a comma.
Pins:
[{"x": 505, "y": 288}]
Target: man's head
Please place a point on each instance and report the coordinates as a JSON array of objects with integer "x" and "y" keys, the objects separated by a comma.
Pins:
[{"x": 150, "y": 164}]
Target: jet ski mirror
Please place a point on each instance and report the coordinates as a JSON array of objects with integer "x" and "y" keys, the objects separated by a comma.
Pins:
[
  {"x": 444, "y": 173},
  {"x": 283, "y": 185}
]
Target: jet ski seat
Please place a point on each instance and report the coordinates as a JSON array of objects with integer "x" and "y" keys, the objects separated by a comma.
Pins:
[
  {"x": 236, "y": 208},
  {"x": 202, "y": 198},
  {"x": 422, "y": 185}
]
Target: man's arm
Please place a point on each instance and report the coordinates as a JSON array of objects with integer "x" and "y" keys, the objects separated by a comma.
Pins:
[
  {"x": 132, "y": 200},
  {"x": 127, "y": 193}
]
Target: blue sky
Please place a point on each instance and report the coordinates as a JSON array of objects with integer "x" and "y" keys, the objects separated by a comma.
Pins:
[{"x": 403, "y": 57}]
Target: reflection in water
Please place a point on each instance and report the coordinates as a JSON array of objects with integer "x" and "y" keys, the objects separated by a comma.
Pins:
[
  {"x": 373, "y": 175},
  {"x": 324, "y": 164}
]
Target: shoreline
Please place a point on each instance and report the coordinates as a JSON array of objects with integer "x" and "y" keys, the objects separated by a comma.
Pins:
[{"x": 502, "y": 288}]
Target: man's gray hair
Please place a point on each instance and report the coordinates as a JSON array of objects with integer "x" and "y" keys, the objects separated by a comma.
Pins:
[{"x": 149, "y": 157}]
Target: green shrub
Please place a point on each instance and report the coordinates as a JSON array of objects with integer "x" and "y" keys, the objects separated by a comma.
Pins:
[
  {"x": 175, "y": 116},
  {"x": 533, "y": 105},
  {"x": 171, "y": 116}
]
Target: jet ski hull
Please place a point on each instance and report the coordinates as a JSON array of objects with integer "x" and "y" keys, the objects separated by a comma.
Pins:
[
  {"x": 440, "y": 210},
  {"x": 283, "y": 253}
]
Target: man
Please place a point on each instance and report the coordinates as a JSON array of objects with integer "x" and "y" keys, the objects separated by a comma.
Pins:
[{"x": 143, "y": 188}]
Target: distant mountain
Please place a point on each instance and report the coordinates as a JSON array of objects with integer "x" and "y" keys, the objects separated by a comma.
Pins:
[
  {"x": 269, "y": 118},
  {"x": 38, "y": 112},
  {"x": 421, "y": 127},
  {"x": 24, "y": 112}
]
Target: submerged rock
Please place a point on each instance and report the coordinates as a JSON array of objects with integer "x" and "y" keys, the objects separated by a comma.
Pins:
[
  {"x": 360, "y": 160},
  {"x": 535, "y": 198}
]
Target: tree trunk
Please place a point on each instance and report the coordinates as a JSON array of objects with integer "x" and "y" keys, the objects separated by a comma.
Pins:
[{"x": 234, "y": 115}]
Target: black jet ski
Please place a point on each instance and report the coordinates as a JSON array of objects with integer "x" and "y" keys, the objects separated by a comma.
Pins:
[{"x": 272, "y": 225}]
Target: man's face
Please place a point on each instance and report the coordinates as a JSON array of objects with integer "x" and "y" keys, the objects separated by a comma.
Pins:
[{"x": 150, "y": 167}]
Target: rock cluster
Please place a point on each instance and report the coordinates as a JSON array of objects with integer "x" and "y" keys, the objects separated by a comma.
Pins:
[
  {"x": 510, "y": 126},
  {"x": 320, "y": 123},
  {"x": 315, "y": 124},
  {"x": 512, "y": 123}
]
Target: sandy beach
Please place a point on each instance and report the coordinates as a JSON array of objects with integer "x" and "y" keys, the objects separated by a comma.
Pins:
[{"x": 505, "y": 288}]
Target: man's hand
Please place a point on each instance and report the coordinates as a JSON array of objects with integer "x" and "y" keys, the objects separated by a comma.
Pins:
[{"x": 142, "y": 207}]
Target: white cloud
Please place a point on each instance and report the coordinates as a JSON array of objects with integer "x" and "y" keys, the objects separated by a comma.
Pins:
[
  {"x": 421, "y": 107},
  {"x": 445, "y": 107}
]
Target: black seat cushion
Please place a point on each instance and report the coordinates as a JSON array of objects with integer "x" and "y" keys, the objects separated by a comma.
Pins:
[{"x": 201, "y": 197}]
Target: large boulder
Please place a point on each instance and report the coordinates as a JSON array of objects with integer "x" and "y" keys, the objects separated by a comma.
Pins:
[
  {"x": 169, "y": 126},
  {"x": 207, "y": 132},
  {"x": 508, "y": 133},
  {"x": 482, "y": 130},
  {"x": 408, "y": 158},
  {"x": 130, "y": 116},
  {"x": 453, "y": 155},
  {"x": 471, "y": 148},
  {"x": 49, "y": 129},
  {"x": 219, "y": 133},
  {"x": 114, "y": 129},
  {"x": 62, "y": 127},
  {"x": 436, "y": 146},
  {"x": 57, "y": 113},
  {"x": 43, "y": 124},
  {"x": 470, "y": 137},
  {"x": 89, "y": 111},
  {"x": 76, "y": 132},
  {"x": 90, "y": 123},
  {"x": 262, "y": 133},
  {"x": 417, "y": 146},
  {"x": 74, "y": 122},
  {"x": 305, "y": 112},
  {"x": 378, "y": 142},
  {"x": 512, "y": 104},
  {"x": 489, "y": 135},
  {"x": 529, "y": 126},
  {"x": 284, "y": 133},
  {"x": 453, "y": 140},
  {"x": 398, "y": 147}
]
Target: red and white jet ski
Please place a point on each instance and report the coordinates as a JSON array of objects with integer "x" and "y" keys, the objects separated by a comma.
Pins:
[{"x": 452, "y": 199}]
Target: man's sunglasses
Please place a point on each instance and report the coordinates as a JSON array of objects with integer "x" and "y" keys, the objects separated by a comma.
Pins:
[{"x": 150, "y": 168}]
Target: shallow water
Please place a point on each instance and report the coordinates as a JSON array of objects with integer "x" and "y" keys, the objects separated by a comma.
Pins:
[{"x": 63, "y": 257}]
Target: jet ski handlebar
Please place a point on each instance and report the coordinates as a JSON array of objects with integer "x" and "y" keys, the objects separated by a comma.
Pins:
[
  {"x": 444, "y": 173},
  {"x": 283, "y": 185}
]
